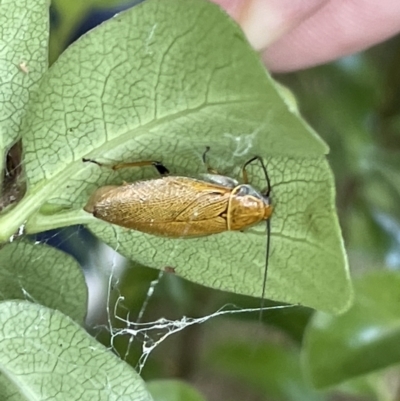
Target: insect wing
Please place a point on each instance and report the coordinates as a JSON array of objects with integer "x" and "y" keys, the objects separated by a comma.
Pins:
[{"x": 169, "y": 206}]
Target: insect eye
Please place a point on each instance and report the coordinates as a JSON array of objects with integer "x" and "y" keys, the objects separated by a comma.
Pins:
[{"x": 244, "y": 190}]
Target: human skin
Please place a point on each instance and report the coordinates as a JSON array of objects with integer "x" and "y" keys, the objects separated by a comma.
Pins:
[{"x": 297, "y": 34}]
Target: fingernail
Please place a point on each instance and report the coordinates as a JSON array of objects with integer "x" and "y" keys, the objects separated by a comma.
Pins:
[{"x": 265, "y": 21}]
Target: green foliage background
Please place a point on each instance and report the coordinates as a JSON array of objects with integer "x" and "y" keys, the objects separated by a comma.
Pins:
[{"x": 354, "y": 104}]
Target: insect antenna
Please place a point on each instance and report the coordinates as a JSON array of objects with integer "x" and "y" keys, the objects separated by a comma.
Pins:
[
  {"x": 258, "y": 158},
  {"x": 267, "y": 196},
  {"x": 264, "y": 287}
]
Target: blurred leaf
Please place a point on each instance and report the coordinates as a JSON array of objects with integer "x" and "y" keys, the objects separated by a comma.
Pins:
[
  {"x": 380, "y": 386},
  {"x": 271, "y": 368},
  {"x": 338, "y": 99},
  {"x": 173, "y": 390},
  {"x": 292, "y": 321},
  {"x": 385, "y": 165},
  {"x": 149, "y": 93},
  {"x": 175, "y": 296},
  {"x": 341, "y": 101},
  {"x": 24, "y": 26},
  {"x": 134, "y": 286},
  {"x": 45, "y": 355},
  {"x": 42, "y": 274},
  {"x": 68, "y": 14},
  {"x": 368, "y": 242},
  {"x": 362, "y": 340}
]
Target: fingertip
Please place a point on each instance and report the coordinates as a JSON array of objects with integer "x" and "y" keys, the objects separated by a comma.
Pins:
[
  {"x": 339, "y": 29},
  {"x": 264, "y": 21}
]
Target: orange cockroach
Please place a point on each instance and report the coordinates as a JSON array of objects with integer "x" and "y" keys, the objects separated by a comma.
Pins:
[{"x": 182, "y": 207}]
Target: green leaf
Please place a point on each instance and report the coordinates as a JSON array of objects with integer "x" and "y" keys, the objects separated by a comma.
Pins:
[
  {"x": 360, "y": 341},
  {"x": 143, "y": 87},
  {"x": 306, "y": 265},
  {"x": 45, "y": 355},
  {"x": 273, "y": 370},
  {"x": 173, "y": 390},
  {"x": 24, "y": 27},
  {"x": 42, "y": 274}
]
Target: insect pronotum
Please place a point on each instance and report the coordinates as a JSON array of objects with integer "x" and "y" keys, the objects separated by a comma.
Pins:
[{"x": 182, "y": 207}]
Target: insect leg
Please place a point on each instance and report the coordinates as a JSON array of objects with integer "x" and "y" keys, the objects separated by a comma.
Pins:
[
  {"x": 92, "y": 161},
  {"x": 162, "y": 170},
  {"x": 209, "y": 168}
]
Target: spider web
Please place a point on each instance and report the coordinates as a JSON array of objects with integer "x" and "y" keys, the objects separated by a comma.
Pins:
[
  {"x": 150, "y": 334},
  {"x": 104, "y": 267}
]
